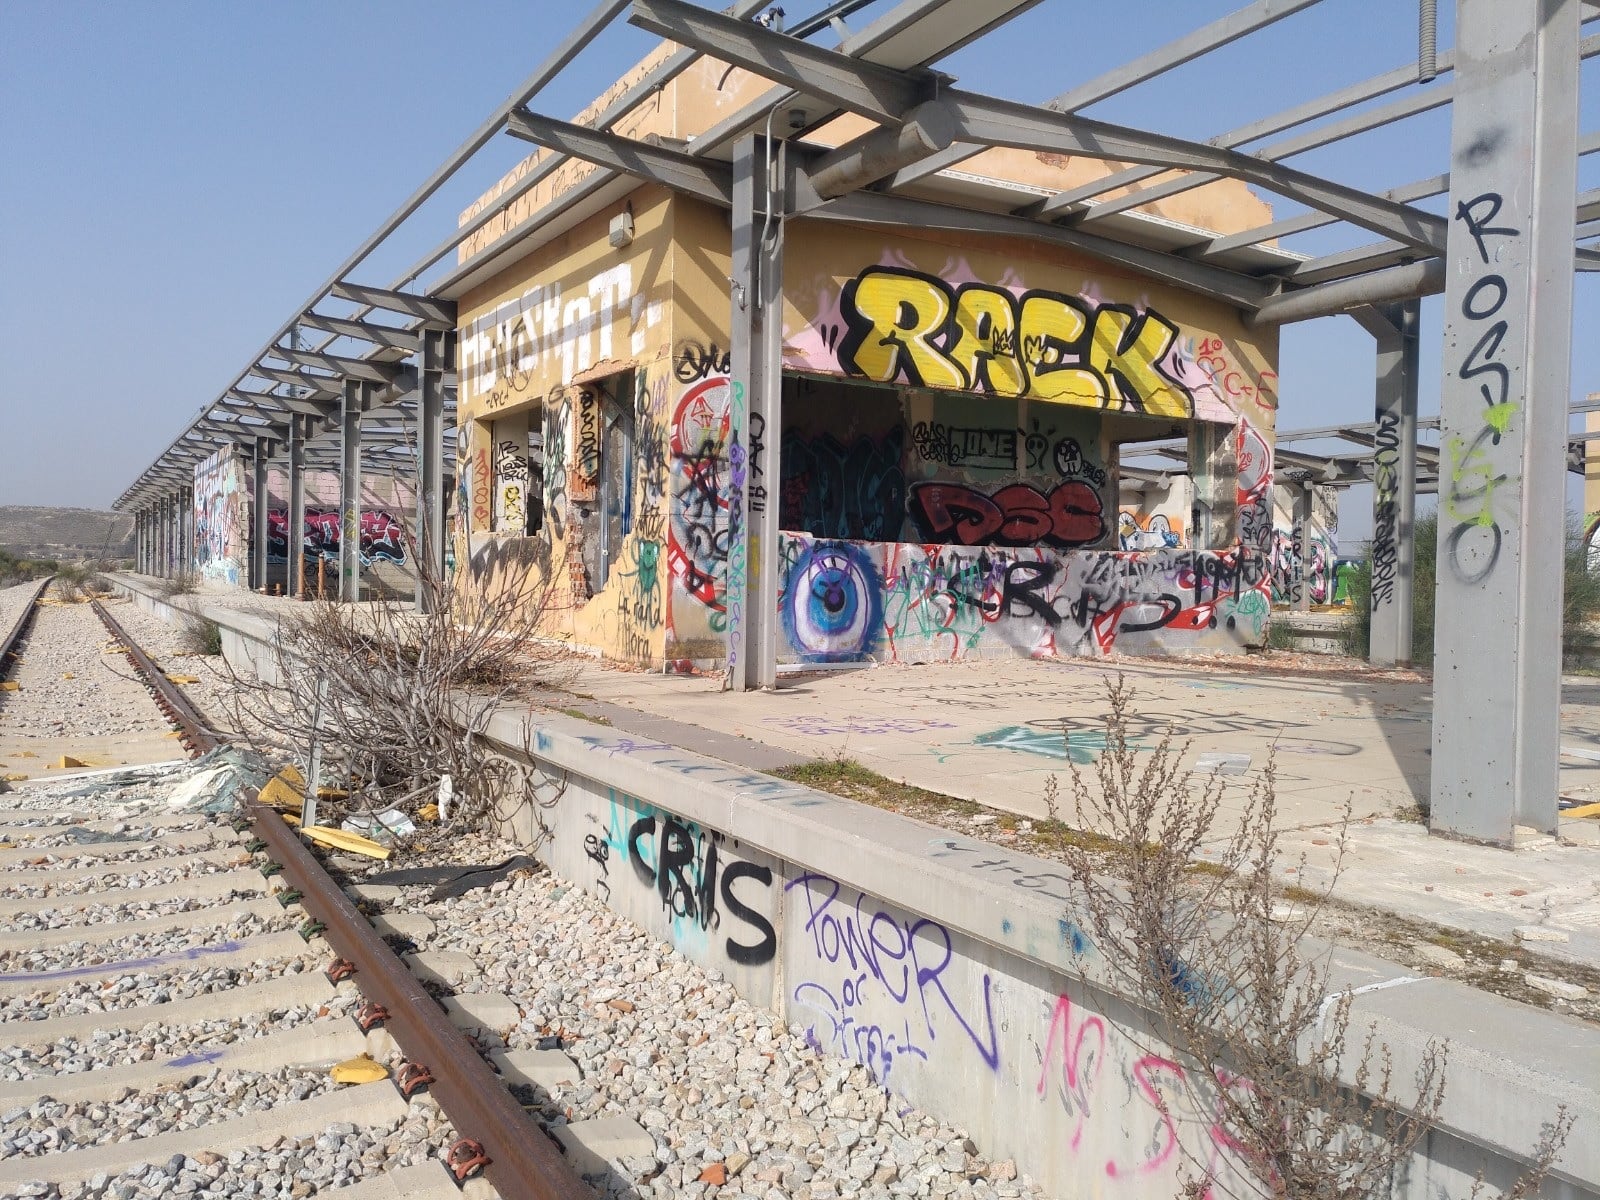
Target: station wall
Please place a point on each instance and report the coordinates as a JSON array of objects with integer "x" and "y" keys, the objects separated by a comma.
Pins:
[
  {"x": 945, "y": 402},
  {"x": 222, "y": 519}
]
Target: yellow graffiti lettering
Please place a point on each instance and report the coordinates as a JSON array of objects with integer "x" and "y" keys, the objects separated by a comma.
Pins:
[
  {"x": 1051, "y": 328},
  {"x": 904, "y": 313},
  {"x": 986, "y": 340},
  {"x": 1126, "y": 349}
]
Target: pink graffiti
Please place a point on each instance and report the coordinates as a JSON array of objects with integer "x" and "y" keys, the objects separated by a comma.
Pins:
[
  {"x": 382, "y": 536},
  {"x": 1083, "y": 1048}
]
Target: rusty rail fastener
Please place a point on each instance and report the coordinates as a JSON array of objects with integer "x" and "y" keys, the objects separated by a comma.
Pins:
[
  {"x": 504, "y": 1141},
  {"x": 412, "y": 1078}
]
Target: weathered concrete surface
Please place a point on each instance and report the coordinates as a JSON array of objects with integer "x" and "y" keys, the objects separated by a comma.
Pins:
[
  {"x": 309, "y": 987},
  {"x": 196, "y": 887},
  {"x": 199, "y": 918},
  {"x": 267, "y": 948},
  {"x": 89, "y": 852},
  {"x": 320, "y": 1044},
  {"x": 374, "y": 1103},
  {"x": 223, "y": 856}
]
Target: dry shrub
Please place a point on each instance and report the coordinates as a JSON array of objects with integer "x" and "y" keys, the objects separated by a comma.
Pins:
[
  {"x": 1236, "y": 989},
  {"x": 399, "y": 699}
]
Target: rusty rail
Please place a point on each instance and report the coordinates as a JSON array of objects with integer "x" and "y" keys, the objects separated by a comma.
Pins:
[
  {"x": 197, "y": 737},
  {"x": 522, "y": 1162},
  {"x": 19, "y": 630}
]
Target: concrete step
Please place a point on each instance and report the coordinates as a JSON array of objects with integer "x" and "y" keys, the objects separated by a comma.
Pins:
[
  {"x": 308, "y": 987},
  {"x": 321, "y": 1044},
  {"x": 364, "y": 1104},
  {"x": 266, "y": 948},
  {"x": 200, "y": 887},
  {"x": 200, "y": 918},
  {"x": 222, "y": 856}
]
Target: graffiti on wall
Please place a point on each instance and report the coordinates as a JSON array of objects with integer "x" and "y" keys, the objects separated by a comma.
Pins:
[
  {"x": 383, "y": 537},
  {"x": 904, "y": 326},
  {"x": 1148, "y": 531},
  {"x": 697, "y": 553},
  {"x": 877, "y": 986},
  {"x": 221, "y": 503},
  {"x": 852, "y": 601},
  {"x": 1018, "y": 514},
  {"x": 551, "y": 333},
  {"x": 713, "y": 901},
  {"x": 854, "y": 489}
]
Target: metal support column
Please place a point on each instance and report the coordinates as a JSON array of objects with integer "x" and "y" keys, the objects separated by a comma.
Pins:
[
  {"x": 350, "y": 490},
  {"x": 438, "y": 362},
  {"x": 186, "y": 555},
  {"x": 260, "y": 502},
  {"x": 1395, "y": 329},
  {"x": 138, "y": 541},
  {"x": 1505, "y": 381},
  {"x": 295, "y": 518},
  {"x": 755, "y": 354},
  {"x": 166, "y": 538},
  {"x": 1305, "y": 510}
]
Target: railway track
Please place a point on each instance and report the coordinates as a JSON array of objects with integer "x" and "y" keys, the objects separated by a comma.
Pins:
[{"x": 178, "y": 991}]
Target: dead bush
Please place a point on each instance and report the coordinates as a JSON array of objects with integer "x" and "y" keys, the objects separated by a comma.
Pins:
[
  {"x": 1221, "y": 962},
  {"x": 399, "y": 700}
]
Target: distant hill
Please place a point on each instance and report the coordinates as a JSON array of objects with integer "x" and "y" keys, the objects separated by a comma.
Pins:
[{"x": 69, "y": 533}]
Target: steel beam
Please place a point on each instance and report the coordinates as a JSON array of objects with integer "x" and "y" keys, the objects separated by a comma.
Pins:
[
  {"x": 316, "y": 386},
  {"x": 260, "y": 502},
  {"x": 355, "y": 400},
  {"x": 670, "y": 168},
  {"x": 295, "y": 516},
  {"x": 756, "y": 362},
  {"x": 862, "y": 87},
  {"x": 439, "y": 314},
  {"x": 1505, "y": 380},
  {"x": 928, "y": 128},
  {"x": 350, "y": 368},
  {"x": 438, "y": 363},
  {"x": 364, "y": 331},
  {"x": 1407, "y": 282}
]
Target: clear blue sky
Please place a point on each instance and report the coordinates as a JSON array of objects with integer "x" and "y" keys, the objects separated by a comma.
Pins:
[{"x": 179, "y": 176}]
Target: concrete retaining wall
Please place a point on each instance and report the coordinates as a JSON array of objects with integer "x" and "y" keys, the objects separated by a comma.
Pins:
[{"x": 954, "y": 970}]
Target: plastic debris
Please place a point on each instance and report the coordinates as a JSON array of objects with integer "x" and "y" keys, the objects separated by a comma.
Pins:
[
  {"x": 66, "y": 760},
  {"x": 189, "y": 793},
  {"x": 429, "y": 812},
  {"x": 446, "y": 793},
  {"x": 10, "y": 685},
  {"x": 281, "y": 794},
  {"x": 183, "y": 678},
  {"x": 361, "y": 1069}
]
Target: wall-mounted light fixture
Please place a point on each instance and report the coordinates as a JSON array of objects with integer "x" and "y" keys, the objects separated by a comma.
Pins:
[{"x": 621, "y": 229}]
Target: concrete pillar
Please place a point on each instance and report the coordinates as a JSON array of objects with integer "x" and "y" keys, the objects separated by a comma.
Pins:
[
  {"x": 185, "y": 531},
  {"x": 164, "y": 569},
  {"x": 295, "y": 518},
  {"x": 1395, "y": 330},
  {"x": 1505, "y": 381},
  {"x": 350, "y": 491},
  {"x": 756, "y": 362},
  {"x": 1304, "y": 512},
  {"x": 138, "y": 541},
  {"x": 438, "y": 362}
]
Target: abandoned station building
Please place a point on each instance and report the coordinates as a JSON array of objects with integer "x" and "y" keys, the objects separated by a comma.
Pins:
[{"x": 945, "y": 473}]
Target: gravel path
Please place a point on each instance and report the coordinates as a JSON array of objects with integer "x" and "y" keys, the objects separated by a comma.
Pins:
[
  {"x": 12, "y": 601},
  {"x": 169, "y": 645},
  {"x": 133, "y": 991},
  {"x": 69, "y": 686},
  {"x": 122, "y": 1047},
  {"x": 714, "y": 1079}
]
